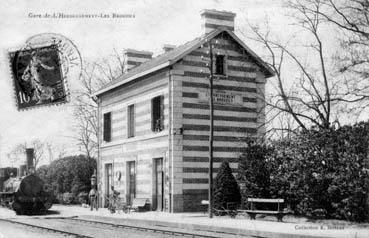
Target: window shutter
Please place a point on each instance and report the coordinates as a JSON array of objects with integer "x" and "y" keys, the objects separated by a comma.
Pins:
[
  {"x": 107, "y": 127},
  {"x": 131, "y": 120},
  {"x": 152, "y": 114},
  {"x": 162, "y": 112}
]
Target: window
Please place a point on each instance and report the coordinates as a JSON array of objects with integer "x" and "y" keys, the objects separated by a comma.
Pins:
[
  {"x": 157, "y": 115},
  {"x": 220, "y": 64},
  {"x": 107, "y": 127},
  {"x": 131, "y": 120}
]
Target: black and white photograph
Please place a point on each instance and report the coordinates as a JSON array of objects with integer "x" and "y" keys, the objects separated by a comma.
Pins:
[{"x": 169, "y": 118}]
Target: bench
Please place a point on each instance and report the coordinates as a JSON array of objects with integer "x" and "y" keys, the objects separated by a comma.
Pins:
[
  {"x": 140, "y": 204},
  {"x": 252, "y": 211},
  {"x": 205, "y": 205}
]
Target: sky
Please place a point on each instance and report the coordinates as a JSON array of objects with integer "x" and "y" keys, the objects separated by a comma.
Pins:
[{"x": 156, "y": 22}]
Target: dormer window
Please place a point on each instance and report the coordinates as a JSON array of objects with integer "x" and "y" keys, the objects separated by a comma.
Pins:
[{"x": 220, "y": 64}]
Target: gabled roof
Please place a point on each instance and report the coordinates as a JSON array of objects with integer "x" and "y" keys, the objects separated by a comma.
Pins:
[{"x": 174, "y": 56}]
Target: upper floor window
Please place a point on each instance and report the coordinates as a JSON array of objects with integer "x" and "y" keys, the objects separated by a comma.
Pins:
[
  {"x": 220, "y": 64},
  {"x": 131, "y": 120},
  {"x": 157, "y": 115},
  {"x": 107, "y": 127}
]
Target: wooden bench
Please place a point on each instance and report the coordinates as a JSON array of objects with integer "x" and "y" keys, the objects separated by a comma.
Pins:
[
  {"x": 140, "y": 204},
  {"x": 252, "y": 211},
  {"x": 205, "y": 205}
]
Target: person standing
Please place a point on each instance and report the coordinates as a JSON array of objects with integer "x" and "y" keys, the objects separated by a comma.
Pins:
[{"x": 93, "y": 195}]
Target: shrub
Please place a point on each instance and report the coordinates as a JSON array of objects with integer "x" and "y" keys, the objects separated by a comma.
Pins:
[
  {"x": 226, "y": 189},
  {"x": 70, "y": 174},
  {"x": 68, "y": 198},
  {"x": 253, "y": 171},
  {"x": 319, "y": 172},
  {"x": 59, "y": 198},
  {"x": 83, "y": 197}
]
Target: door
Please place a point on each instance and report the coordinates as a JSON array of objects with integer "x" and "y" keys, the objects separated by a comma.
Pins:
[
  {"x": 159, "y": 184},
  {"x": 108, "y": 181},
  {"x": 131, "y": 183}
]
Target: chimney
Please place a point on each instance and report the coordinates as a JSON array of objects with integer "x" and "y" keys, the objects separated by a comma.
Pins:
[
  {"x": 213, "y": 19},
  {"x": 168, "y": 47},
  {"x": 133, "y": 58},
  {"x": 30, "y": 155}
]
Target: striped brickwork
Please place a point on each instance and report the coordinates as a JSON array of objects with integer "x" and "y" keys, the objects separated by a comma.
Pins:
[
  {"x": 212, "y": 20},
  {"x": 133, "y": 58},
  {"x": 145, "y": 146},
  {"x": 183, "y": 144},
  {"x": 236, "y": 116}
]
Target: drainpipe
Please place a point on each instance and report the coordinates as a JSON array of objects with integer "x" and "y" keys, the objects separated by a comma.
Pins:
[{"x": 170, "y": 137}]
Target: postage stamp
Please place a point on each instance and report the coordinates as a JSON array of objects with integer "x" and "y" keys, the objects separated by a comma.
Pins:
[{"x": 41, "y": 70}]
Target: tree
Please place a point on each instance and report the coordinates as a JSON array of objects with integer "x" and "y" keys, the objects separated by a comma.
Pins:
[
  {"x": 226, "y": 189},
  {"x": 253, "y": 171},
  {"x": 94, "y": 76},
  {"x": 69, "y": 174},
  {"x": 309, "y": 86},
  {"x": 323, "y": 170},
  {"x": 351, "y": 18},
  {"x": 19, "y": 151},
  {"x": 55, "y": 151}
]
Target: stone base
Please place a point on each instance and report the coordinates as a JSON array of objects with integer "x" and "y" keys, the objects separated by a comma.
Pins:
[{"x": 192, "y": 200}]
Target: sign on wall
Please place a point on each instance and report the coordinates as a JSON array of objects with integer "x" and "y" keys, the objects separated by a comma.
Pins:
[{"x": 221, "y": 97}]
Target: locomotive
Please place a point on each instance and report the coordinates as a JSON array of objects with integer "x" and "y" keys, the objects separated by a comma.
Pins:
[{"x": 26, "y": 194}]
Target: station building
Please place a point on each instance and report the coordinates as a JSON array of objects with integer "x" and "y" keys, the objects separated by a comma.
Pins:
[{"x": 154, "y": 119}]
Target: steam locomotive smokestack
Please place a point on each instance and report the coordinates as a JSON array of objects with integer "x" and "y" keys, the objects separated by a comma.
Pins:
[{"x": 30, "y": 155}]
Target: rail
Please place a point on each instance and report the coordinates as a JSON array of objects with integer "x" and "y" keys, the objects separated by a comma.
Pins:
[
  {"x": 155, "y": 230},
  {"x": 48, "y": 229}
]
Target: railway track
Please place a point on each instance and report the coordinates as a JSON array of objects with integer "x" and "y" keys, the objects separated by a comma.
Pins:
[
  {"x": 106, "y": 226},
  {"x": 47, "y": 229},
  {"x": 144, "y": 228},
  {"x": 167, "y": 230}
]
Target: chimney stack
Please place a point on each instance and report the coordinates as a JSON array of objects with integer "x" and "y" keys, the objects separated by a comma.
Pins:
[
  {"x": 133, "y": 58},
  {"x": 168, "y": 47},
  {"x": 213, "y": 19},
  {"x": 30, "y": 156}
]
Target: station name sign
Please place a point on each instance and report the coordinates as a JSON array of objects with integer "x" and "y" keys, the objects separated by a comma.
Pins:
[{"x": 221, "y": 97}]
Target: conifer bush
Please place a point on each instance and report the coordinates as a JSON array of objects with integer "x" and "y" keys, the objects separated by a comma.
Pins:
[{"x": 226, "y": 189}]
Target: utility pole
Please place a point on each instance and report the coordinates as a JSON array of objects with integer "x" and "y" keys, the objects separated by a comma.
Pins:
[
  {"x": 211, "y": 131},
  {"x": 0, "y": 150}
]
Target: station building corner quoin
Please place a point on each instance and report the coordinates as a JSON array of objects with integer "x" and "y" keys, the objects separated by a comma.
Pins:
[{"x": 154, "y": 119}]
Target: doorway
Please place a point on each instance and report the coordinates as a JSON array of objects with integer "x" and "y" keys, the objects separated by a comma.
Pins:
[
  {"x": 108, "y": 181},
  {"x": 158, "y": 185},
  {"x": 131, "y": 181}
]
